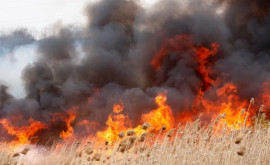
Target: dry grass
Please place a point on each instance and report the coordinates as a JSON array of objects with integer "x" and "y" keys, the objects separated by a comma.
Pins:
[{"x": 192, "y": 143}]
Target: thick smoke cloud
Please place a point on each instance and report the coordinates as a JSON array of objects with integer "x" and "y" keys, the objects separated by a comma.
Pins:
[
  {"x": 10, "y": 41},
  {"x": 117, "y": 46},
  {"x": 4, "y": 96}
]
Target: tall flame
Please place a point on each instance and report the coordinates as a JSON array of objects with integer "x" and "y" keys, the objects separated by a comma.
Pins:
[
  {"x": 69, "y": 131},
  {"x": 116, "y": 123},
  {"x": 213, "y": 97},
  {"x": 157, "y": 118},
  {"x": 224, "y": 97},
  {"x": 203, "y": 68},
  {"x": 162, "y": 116},
  {"x": 68, "y": 118},
  {"x": 227, "y": 102}
]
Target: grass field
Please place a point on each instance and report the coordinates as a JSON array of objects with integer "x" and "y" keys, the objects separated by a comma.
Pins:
[{"x": 190, "y": 143}]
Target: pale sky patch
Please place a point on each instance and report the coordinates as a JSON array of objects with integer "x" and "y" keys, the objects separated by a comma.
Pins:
[
  {"x": 38, "y": 14},
  {"x": 12, "y": 65}
]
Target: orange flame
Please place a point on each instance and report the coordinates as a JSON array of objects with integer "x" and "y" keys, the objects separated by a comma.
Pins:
[
  {"x": 116, "y": 123},
  {"x": 162, "y": 116},
  {"x": 68, "y": 118},
  {"x": 88, "y": 125},
  {"x": 179, "y": 42},
  {"x": 69, "y": 131},
  {"x": 117, "y": 108},
  {"x": 23, "y": 133},
  {"x": 265, "y": 96},
  {"x": 227, "y": 102},
  {"x": 226, "y": 98},
  {"x": 212, "y": 99},
  {"x": 205, "y": 71}
]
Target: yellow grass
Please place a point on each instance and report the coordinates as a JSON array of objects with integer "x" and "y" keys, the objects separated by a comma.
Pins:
[{"x": 192, "y": 143}]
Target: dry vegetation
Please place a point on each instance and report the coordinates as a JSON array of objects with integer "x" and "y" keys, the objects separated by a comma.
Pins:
[{"x": 192, "y": 143}]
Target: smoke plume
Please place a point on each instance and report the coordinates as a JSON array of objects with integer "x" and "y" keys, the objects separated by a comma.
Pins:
[{"x": 109, "y": 60}]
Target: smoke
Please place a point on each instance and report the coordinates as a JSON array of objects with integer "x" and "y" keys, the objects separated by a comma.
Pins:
[
  {"x": 14, "y": 39},
  {"x": 4, "y": 96},
  {"x": 108, "y": 61}
]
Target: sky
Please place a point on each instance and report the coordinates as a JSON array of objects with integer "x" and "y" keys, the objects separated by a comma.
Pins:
[
  {"x": 38, "y": 14},
  {"x": 12, "y": 64},
  {"x": 35, "y": 15}
]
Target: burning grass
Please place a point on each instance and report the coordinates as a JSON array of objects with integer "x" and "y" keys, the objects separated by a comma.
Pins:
[
  {"x": 231, "y": 137},
  {"x": 190, "y": 143}
]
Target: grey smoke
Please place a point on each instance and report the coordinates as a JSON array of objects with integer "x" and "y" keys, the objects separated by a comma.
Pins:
[
  {"x": 117, "y": 45},
  {"x": 14, "y": 39},
  {"x": 5, "y": 97}
]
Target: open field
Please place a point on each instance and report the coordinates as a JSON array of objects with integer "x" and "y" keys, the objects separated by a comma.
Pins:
[
  {"x": 162, "y": 82},
  {"x": 192, "y": 143}
]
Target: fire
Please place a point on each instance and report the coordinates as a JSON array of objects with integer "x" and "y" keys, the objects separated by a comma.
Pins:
[
  {"x": 69, "y": 132},
  {"x": 265, "y": 95},
  {"x": 117, "y": 108},
  {"x": 225, "y": 99},
  {"x": 183, "y": 43},
  {"x": 88, "y": 125},
  {"x": 116, "y": 123},
  {"x": 178, "y": 43},
  {"x": 162, "y": 116},
  {"x": 68, "y": 118},
  {"x": 227, "y": 103},
  {"x": 213, "y": 98},
  {"x": 23, "y": 133},
  {"x": 205, "y": 71}
]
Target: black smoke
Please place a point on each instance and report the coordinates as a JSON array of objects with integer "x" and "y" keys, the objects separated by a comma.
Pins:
[{"x": 108, "y": 61}]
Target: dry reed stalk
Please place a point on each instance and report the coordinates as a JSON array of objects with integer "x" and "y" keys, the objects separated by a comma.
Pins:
[
  {"x": 96, "y": 157},
  {"x": 145, "y": 126},
  {"x": 188, "y": 148},
  {"x": 170, "y": 132},
  {"x": 249, "y": 106},
  {"x": 242, "y": 150},
  {"x": 241, "y": 113},
  {"x": 121, "y": 134},
  {"x": 258, "y": 117},
  {"x": 162, "y": 129},
  {"x": 142, "y": 137},
  {"x": 238, "y": 140},
  {"x": 130, "y": 133},
  {"x": 25, "y": 151}
]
